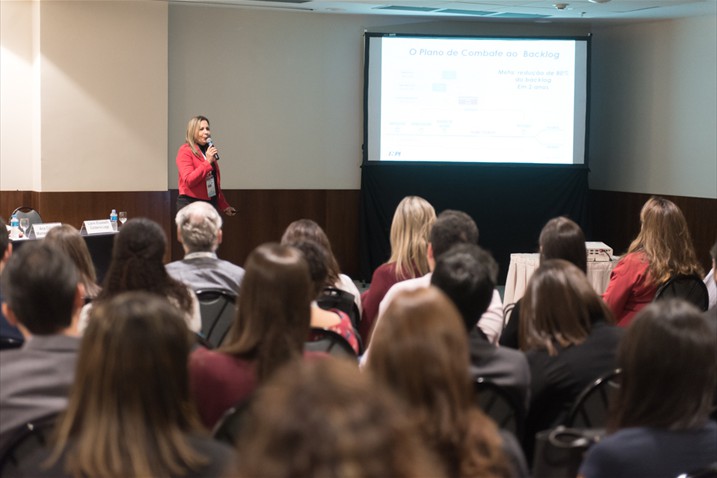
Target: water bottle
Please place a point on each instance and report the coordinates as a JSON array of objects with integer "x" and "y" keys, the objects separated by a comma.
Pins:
[
  {"x": 113, "y": 219},
  {"x": 14, "y": 227}
]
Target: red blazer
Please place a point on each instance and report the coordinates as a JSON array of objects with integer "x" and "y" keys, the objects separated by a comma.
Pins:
[{"x": 193, "y": 172}]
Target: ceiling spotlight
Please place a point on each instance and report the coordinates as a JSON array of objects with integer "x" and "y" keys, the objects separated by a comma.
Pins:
[
  {"x": 598, "y": 1},
  {"x": 560, "y": 6}
]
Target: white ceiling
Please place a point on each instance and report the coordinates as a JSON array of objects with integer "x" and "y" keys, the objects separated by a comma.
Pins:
[{"x": 509, "y": 10}]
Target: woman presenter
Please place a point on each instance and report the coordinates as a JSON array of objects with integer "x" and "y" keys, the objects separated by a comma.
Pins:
[{"x": 199, "y": 177}]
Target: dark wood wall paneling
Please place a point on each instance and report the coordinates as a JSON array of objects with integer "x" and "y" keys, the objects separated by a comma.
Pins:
[
  {"x": 264, "y": 214},
  {"x": 615, "y": 220}
]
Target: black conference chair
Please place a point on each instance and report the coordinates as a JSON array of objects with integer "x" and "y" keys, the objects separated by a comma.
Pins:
[
  {"x": 592, "y": 406},
  {"x": 218, "y": 310},
  {"x": 229, "y": 427},
  {"x": 709, "y": 471},
  {"x": 16, "y": 457},
  {"x": 10, "y": 343},
  {"x": 687, "y": 287},
  {"x": 330, "y": 342},
  {"x": 333, "y": 298},
  {"x": 500, "y": 405},
  {"x": 28, "y": 212}
]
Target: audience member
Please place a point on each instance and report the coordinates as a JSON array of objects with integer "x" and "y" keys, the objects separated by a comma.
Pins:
[
  {"x": 199, "y": 230},
  {"x": 69, "y": 239},
  {"x": 568, "y": 339},
  {"x": 316, "y": 258},
  {"x": 324, "y": 418},
  {"x": 411, "y": 224},
  {"x": 10, "y": 336},
  {"x": 663, "y": 248},
  {"x": 660, "y": 422},
  {"x": 137, "y": 265},
  {"x": 560, "y": 238},
  {"x": 451, "y": 228},
  {"x": 130, "y": 412},
  {"x": 711, "y": 283},
  {"x": 421, "y": 353},
  {"x": 467, "y": 275},
  {"x": 43, "y": 294},
  {"x": 271, "y": 327},
  {"x": 307, "y": 229}
]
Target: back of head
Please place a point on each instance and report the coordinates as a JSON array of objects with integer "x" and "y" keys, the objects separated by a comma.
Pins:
[
  {"x": 324, "y": 418},
  {"x": 39, "y": 284},
  {"x": 668, "y": 359},
  {"x": 4, "y": 239},
  {"x": 130, "y": 407},
  {"x": 199, "y": 225},
  {"x": 306, "y": 229},
  {"x": 665, "y": 238},
  {"x": 69, "y": 239},
  {"x": 410, "y": 227},
  {"x": 467, "y": 275},
  {"x": 274, "y": 308},
  {"x": 559, "y": 307},
  {"x": 420, "y": 351},
  {"x": 316, "y": 258},
  {"x": 451, "y": 228},
  {"x": 137, "y": 264},
  {"x": 562, "y": 238}
]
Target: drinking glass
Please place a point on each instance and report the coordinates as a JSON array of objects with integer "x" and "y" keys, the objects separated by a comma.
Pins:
[
  {"x": 123, "y": 216},
  {"x": 24, "y": 225}
]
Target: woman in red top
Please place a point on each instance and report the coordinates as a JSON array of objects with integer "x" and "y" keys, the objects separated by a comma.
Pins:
[
  {"x": 199, "y": 177},
  {"x": 410, "y": 228},
  {"x": 663, "y": 248}
]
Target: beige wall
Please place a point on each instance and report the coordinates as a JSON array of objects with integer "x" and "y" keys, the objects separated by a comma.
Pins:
[
  {"x": 654, "y": 108},
  {"x": 97, "y": 76},
  {"x": 19, "y": 97},
  {"x": 96, "y": 96}
]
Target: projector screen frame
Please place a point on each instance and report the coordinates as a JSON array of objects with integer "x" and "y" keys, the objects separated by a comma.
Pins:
[{"x": 584, "y": 151}]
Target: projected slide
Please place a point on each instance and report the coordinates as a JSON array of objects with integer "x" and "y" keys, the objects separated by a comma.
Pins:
[{"x": 477, "y": 100}]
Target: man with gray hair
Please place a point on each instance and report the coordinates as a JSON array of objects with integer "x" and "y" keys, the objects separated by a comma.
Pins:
[{"x": 199, "y": 230}]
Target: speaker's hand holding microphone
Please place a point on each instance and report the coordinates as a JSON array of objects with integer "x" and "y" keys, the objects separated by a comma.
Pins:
[{"x": 212, "y": 153}]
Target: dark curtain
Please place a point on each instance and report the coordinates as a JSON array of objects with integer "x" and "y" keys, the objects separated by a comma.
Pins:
[{"x": 510, "y": 204}]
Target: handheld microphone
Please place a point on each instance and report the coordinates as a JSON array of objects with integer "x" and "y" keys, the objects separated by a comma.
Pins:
[{"x": 211, "y": 143}]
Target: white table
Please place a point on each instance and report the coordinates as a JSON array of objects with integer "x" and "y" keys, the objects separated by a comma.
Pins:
[{"x": 522, "y": 267}]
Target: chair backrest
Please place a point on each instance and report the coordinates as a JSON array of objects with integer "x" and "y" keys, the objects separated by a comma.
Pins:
[
  {"x": 591, "y": 408},
  {"x": 218, "y": 310},
  {"x": 10, "y": 343},
  {"x": 333, "y": 298},
  {"x": 687, "y": 287},
  {"x": 229, "y": 426},
  {"x": 28, "y": 212},
  {"x": 500, "y": 405},
  {"x": 330, "y": 342},
  {"x": 709, "y": 471},
  {"x": 14, "y": 458}
]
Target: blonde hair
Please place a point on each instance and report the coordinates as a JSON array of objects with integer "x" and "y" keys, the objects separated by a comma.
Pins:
[
  {"x": 665, "y": 239},
  {"x": 410, "y": 229},
  {"x": 192, "y": 128}
]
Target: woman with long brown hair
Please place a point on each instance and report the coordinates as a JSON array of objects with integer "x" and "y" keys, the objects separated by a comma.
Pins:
[
  {"x": 568, "y": 338},
  {"x": 69, "y": 240},
  {"x": 306, "y": 229},
  {"x": 421, "y": 353},
  {"x": 324, "y": 418},
  {"x": 271, "y": 326},
  {"x": 410, "y": 229},
  {"x": 138, "y": 265},
  {"x": 129, "y": 411},
  {"x": 660, "y": 424},
  {"x": 663, "y": 248}
]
